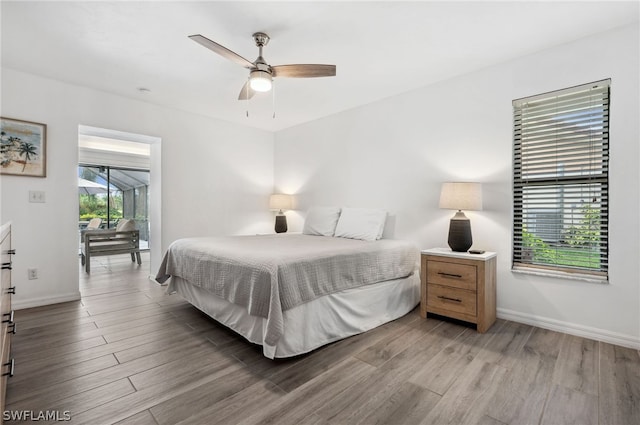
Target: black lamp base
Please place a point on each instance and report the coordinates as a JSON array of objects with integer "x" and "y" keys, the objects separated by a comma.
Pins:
[
  {"x": 281, "y": 223},
  {"x": 460, "y": 233}
]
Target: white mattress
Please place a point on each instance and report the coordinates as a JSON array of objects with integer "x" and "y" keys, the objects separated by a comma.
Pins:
[{"x": 315, "y": 323}]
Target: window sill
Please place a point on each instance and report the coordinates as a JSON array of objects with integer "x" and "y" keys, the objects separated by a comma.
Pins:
[{"x": 561, "y": 275}]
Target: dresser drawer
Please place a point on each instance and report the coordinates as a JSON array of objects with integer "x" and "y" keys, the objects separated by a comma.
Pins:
[
  {"x": 5, "y": 302},
  {"x": 461, "y": 276},
  {"x": 451, "y": 299},
  {"x": 7, "y": 365}
]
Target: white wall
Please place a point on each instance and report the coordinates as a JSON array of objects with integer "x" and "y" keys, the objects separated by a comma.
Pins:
[
  {"x": 216, "y": 178},
  {"x": 395, "y": 154}
]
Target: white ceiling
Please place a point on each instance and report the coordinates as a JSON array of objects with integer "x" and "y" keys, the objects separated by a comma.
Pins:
[{"x": 380, "y": 48}]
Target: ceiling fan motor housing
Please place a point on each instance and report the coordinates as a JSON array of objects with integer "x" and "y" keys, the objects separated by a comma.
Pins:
[{"x": 261, "y": 39}]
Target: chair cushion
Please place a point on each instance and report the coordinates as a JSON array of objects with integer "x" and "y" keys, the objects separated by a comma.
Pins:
[
  {"x": 125, "y": 225},
  {"x": 94, "y": 224}
]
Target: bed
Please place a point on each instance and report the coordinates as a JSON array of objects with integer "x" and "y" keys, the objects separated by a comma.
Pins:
[{"x": 292, "y": 293}]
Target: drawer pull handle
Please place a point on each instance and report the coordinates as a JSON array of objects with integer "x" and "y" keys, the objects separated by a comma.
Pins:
[
  {"x": 12, "y": 365},
  {"x": 457, "y": 300},
  {"x": 6, "y": 266},
  {"x": 11, "y": 290},
  {"x": 13, "y": 327},
  {"x": 10, "y": 319},
  {"x": 456, "y": 276},
  {"x": 11, "y": 252}
]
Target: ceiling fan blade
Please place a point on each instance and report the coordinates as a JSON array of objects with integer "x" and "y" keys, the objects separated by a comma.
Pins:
[
  {"x": 246, "y": 92},
  {"x": 221, "y": 50},
  {"x": 304, "y": 71}
]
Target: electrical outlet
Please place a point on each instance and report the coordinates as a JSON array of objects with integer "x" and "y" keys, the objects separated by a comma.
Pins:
[{"x": 33, "y": 273}]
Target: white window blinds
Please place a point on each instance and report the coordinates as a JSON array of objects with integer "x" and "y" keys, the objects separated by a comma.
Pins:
[{"x": 560, "y": 180}]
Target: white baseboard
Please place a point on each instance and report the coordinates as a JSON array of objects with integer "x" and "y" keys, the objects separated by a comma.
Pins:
[
  {"x": 38, "y": 302},
  {"x": 570, "y": 328}
]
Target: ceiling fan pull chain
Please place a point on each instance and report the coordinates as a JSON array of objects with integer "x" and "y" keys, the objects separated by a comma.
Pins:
[
  {"x": 247, "y": 96},
  {"x": 273, "y": 99}
]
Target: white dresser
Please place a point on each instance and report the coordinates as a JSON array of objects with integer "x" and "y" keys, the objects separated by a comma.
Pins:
[{"x": 8, "y": 325}]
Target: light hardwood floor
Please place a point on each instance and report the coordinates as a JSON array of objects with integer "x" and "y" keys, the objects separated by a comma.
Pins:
[{"x": 129, "y": 354}]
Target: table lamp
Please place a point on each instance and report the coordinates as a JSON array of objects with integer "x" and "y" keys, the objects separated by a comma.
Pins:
[
  {"x": 280, "y": 201},
  {"x": 460, "y": 196}
]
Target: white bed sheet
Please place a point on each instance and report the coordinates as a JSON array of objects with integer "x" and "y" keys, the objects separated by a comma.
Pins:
[
  {"x": 270, "y": 274},
  {"x": 315, "y": 323}
]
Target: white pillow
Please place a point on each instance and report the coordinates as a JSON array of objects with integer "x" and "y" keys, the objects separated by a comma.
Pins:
[
  {"x": 321, "y": 221},
  {"x": 361, "y": 223}
]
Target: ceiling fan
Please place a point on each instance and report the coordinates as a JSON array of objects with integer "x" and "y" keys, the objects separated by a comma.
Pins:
[{"x": 261, "y": 73}]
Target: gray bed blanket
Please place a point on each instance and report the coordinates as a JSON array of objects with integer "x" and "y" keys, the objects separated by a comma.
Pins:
[{"x": 269, "y": 274}]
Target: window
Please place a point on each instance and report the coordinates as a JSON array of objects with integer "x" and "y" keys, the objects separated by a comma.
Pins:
[{"x": 560, "y": 182}]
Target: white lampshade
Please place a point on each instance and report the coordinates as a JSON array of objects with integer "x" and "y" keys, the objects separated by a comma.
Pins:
[
  {"x": 280, "y": 201},
  {"x": 461, "y": 196},
  {"x": 260, "y": 80}
]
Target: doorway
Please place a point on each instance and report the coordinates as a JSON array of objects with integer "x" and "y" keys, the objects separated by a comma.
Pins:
[{"x": 126, "y": 167}]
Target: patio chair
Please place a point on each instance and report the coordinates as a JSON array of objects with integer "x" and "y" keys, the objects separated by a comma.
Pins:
[
  {"x": 94, "y": 224},
  {"x": 125, "y": 239}
]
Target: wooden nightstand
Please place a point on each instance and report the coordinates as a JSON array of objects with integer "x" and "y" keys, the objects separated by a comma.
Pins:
[{"x": 459, "y": 285}]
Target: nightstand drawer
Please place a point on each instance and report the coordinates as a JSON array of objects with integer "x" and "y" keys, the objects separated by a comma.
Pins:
[
  {"x": 451, "y": 299},
  {"x": 451, "y": 274}
]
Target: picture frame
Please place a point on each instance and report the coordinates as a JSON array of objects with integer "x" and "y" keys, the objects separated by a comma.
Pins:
[{"x": 23, "y": 148}]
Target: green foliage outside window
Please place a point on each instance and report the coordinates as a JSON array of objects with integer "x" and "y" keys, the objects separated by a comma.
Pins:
[
  {"x": 96, "y": 206},
  {"x": 587, "y": 232},
  {"x": 576, "y": 249}
]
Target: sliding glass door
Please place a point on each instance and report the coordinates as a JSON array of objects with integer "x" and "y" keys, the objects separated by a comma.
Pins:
[{"x": 112, "y": 193}]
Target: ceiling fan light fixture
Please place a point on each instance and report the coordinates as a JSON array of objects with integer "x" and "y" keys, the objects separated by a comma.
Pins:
[
  {"x": 261, "y": 74},
  {"x": 260, "y": 80}
]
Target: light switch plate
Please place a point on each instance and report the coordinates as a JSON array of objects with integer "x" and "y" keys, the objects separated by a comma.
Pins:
[{"x": 36, "y": 196}]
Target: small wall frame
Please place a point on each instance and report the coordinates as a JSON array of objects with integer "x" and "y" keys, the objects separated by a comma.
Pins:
[{"x": 23, "y": 149}]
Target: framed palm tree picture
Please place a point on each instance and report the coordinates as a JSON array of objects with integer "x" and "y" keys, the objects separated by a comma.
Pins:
[{"x": 23, "y": 150}]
